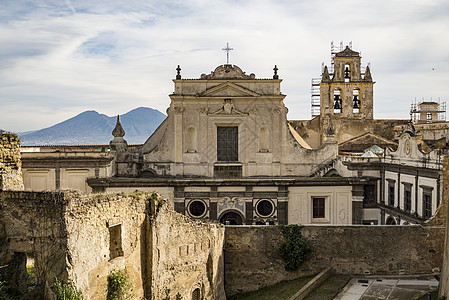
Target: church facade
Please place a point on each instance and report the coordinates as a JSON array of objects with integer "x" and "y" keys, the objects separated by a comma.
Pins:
[{"x": 226, "y": 152}]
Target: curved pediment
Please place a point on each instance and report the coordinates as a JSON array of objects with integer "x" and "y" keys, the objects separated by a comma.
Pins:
[{"x": 228, "y": 72}]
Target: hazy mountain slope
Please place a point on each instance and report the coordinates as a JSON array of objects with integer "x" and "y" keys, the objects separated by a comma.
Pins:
[{"x": 90, "y": 127}]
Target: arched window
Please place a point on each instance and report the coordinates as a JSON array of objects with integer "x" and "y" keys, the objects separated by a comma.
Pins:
[
  {"x": 191, "y": 140},
  {"x": 264, "y": 140},
  {"x": 337, "y": 101},
  {"x": 347, "y": 72},
  {"x": 356, "y": 101},
  {"x": 391, "y": 221},
  {"x": 196, "y": 294}
]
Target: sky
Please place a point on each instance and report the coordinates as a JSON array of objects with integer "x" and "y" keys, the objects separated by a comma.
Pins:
[{"x": 59, "y": 58}]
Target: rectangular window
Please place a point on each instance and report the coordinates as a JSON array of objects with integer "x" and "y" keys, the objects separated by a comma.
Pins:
[
  {"x": 427, "y": 205},
  {"x": 318, "y": 207},
  {"x": 407, "y": 198},
  {"x": 227, "y": 143},
  {"x": 370, "y": 196},
  {"x": 391, "y": 194}
]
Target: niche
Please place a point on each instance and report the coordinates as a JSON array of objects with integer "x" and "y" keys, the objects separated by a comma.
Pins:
[
  {"x": 191, "y": 140},
  {"x": 264, "y": 140},
  {"x": 115, "y": 241}
]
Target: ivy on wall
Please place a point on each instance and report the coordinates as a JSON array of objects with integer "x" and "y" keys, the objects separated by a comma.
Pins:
[{"x": 295, "y": 249}]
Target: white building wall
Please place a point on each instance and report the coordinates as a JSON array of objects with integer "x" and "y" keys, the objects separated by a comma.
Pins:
[{"x": 338, "y": 205}]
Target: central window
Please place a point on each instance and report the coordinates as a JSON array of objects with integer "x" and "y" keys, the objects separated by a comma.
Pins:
[
  {"x": 227, "y": 143},
  {"x": 318, "y": 208}
]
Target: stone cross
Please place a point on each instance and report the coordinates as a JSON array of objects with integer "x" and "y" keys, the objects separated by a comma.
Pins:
[
  {"x": 178, "y": 73},
  {"x": 227, "y": 49},
  {"x": 275, "y": 76}
]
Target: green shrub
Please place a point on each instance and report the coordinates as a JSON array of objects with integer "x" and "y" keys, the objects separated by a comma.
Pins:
[
  {"x": 294, "y": 250},
  {"x": 119, "y": 287},
  {"x": 67, "y": 291}
]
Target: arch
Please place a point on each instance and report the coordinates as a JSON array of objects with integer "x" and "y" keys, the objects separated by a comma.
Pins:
[
  {"x": 337, "y": 101},
  {"x": 390, "y": 221},
  {"x": 196, "y": 294},
  {"x": 191, "y": 140},
  {"x": 233, "y": 216},
  {"x": 356, "y": 101},
  {"x": 147, "y": 174},
  {"x": 264, "y": 139},
  {"x": 347, "y": 71}
]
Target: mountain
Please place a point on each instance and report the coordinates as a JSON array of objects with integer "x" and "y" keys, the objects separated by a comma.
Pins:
[{"x": 91, "y": 127}]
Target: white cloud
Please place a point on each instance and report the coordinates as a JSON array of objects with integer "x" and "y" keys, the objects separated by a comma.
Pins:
[{"x": 60, "y": 58}]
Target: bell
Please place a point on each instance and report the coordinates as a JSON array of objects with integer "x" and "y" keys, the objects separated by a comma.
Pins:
[
  {"x": 347, "y": 72},
  {"x": 337, "y": 105},
  {"x": 356, "y": 102}
]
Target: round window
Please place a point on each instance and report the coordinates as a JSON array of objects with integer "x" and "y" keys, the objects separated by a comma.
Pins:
[
  {"x": 265, "y": 208},
  {"x": 197, "y": 208}
]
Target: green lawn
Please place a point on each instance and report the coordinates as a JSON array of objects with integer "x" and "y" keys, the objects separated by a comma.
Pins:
[
  {"x": 280, "y": 291},
  {"x": 329, "y": 288}
]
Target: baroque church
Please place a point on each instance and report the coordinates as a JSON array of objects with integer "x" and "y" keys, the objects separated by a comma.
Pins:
[{"x": 226, "y": 152}]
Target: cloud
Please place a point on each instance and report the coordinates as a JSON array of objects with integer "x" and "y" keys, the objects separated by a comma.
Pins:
[{"x": 59, "y": 58}]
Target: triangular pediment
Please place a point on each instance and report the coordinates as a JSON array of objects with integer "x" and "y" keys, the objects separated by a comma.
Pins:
[
  {"x": 228, "y": 89},
  {"x": 365, "y": 141}
]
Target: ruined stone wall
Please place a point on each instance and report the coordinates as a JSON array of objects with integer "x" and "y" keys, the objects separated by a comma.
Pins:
[
  {"x": 107, "y": 233},
  {"x": 10, "y": 164},
  {"x": 187, "y": 255},
  {"x": 85, "y": 238},
  {"x": 32, "y": 224},
  {"x": 252, "y": 259}
]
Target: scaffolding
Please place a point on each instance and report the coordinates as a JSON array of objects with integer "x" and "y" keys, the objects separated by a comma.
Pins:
[
  {"x": 315, "y": 83},
  {"x": 428, "y": 111}
]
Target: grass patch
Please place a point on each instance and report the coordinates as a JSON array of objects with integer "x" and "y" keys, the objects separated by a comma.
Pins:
[
  {"x": 282, "y": 290},
  {"x": 329, "y": 288}
]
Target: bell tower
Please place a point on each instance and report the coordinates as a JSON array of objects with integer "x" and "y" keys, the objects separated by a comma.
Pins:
[{"x": 346, "y": 92}]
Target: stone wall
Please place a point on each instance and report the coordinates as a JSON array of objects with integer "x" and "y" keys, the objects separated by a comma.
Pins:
[
  {"x": 85, "y": 238},
  {"x": 10, "y": 164},
  {"x": 106, "y": 233},
  {"x": 252, "y": 260},
  {"x": 32, "y": 225},
  {"x": 187, "y": 255}
]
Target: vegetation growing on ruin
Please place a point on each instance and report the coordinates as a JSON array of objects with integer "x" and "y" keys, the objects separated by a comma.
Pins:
[
  {"x": 67, "y": 291},
  {"x": 295, "y": 249},
  {"x": 119, "y": 287}
]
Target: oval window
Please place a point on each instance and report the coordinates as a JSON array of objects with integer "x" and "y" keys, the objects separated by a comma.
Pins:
[
  {"x": 197, "y": 208},
  {"x": 265, "y": 208}
]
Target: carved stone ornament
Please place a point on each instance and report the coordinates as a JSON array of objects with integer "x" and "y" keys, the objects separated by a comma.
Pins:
[
  {"x": 178, "y": 110},
  {"x": 277, "y": 110},
  {"x": 253, "y": 110},
  {"x": 231, "y": 202},
  {"x": 228, "y": 72},
  {"x": 228, "y": 108},
  {"x": 204, "y": 110},
  {"x": 118, "y": 130}
]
